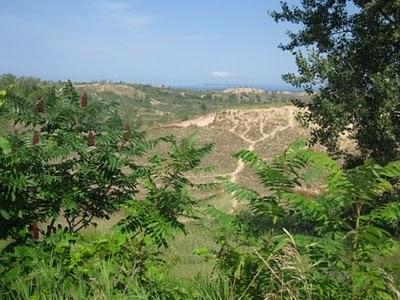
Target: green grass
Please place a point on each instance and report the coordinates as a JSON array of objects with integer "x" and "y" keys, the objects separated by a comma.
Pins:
[{"x": 185, "y": 264}]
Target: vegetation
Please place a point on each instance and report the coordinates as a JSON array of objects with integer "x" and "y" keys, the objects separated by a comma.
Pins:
[
  {"x": 150, "y": 106},
  {"x": 313, "y": 228},
  {"x": 325, "y": 244},
  {"x": 347, "y": 53},
  {"x": 72, "y": 161},
  {"x": 147, "y": 106}
]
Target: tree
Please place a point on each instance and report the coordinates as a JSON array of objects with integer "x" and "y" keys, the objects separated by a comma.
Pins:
[
  {"x": 5, "y": 146},
  {"x": 348, "y": 58},
  {"x": 72, "y": 159},
  {"x": 67, "y": 159},
  {"x": 76, "y": 158}
]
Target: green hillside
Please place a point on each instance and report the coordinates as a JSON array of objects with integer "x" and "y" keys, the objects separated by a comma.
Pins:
[{"x": 149, "y": 106}]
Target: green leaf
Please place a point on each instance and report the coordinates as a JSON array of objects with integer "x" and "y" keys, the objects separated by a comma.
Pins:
[
  {"x": 5, "y": 145},
  {"x": 4, "y": 214},
  {"x": 2, "y": 96}
]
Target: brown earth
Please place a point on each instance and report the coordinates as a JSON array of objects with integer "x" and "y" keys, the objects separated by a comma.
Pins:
[{"x": 267, "y": 131}]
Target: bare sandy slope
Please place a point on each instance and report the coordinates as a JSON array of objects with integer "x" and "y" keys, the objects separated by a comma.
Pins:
[
  {"x": 268, "y": 131},
  {"x": 201, "y": 121}
]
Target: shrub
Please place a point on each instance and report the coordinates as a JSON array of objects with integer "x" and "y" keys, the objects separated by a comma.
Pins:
[
  {"x": 74, "y": 158},
  {"x": 337, "y": 234}
]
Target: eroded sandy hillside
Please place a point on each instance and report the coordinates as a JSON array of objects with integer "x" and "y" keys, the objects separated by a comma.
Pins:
[{"x": 268, "y": 131}]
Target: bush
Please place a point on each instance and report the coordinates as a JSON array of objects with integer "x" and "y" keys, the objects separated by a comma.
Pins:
[
  {"x": 338, "y": 232},
  {"x": 70, "y": 266},
  {"x": 76, "y": 159}
]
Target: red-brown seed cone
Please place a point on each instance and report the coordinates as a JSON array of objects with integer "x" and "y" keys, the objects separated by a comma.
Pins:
[
  {"x": 84, "y": 100},
  {"x": 40, "y": 105},
  {"x": 35, "y": 231},
  {"x": 91, "y": 139},
  {"x": 126, "y": 132},
  {"x": 35, "y": 138}
]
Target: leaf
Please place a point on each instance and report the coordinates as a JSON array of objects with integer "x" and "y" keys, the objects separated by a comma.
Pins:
[
  {"x": 5, "y": 145},
  {"x": 4, "y": 214},
  {"x": 240, "y": 192},
  {"x": 2, "y": 95},
  {"x": 202, "y": 251}
]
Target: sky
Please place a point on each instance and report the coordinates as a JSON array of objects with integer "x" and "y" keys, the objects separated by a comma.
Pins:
[{"x": 174, "y": 42}]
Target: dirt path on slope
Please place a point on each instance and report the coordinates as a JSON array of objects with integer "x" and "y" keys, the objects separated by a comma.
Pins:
[
  {"x": 245, "y": 124},
  {"x": 251, "y": 126},
  {"x": 251, "y": 143}
]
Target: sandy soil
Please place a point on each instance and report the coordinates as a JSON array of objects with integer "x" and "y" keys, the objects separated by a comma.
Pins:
[{"x": 202, "y": 121}]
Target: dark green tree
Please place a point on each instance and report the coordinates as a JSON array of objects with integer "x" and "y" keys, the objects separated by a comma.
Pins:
[
  {"x": 69, "y": 157},
  {"x": 348, "y": 58}
]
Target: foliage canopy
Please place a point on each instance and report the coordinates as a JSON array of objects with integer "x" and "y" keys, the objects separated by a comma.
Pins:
[
  {"x": 348, "y": 57},
  {"x": 77, "y": 159}
]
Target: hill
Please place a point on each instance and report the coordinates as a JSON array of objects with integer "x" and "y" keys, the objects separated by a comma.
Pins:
[
  {"x": 267, "y": 131},
  {"x": 150, "y": 106},
  {"x": 232, "y": 119}
]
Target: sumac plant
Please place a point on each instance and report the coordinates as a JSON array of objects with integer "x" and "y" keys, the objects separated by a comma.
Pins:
[
  {"x": 73, "y": 161},
  {"x": 66, "y": 160}
]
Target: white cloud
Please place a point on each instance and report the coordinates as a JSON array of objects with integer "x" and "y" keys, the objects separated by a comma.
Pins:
[{"x": 223, "y": 74}]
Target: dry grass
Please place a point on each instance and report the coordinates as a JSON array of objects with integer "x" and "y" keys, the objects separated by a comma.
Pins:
[
  {"x": 266, "y": 130},
  {"x": 270, "y": 130}
]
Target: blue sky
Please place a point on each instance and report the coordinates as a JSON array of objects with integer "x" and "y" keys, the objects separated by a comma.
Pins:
[{"x": 176, "y": 42}]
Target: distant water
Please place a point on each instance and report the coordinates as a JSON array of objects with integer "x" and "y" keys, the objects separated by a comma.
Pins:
[{"x": 220, "y": 87}]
